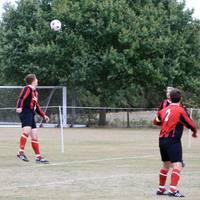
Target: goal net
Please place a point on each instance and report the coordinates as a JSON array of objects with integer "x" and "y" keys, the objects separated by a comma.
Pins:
[{"x": 50, "y": 98}]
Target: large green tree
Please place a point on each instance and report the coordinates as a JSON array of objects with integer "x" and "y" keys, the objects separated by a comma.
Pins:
[{"x": 122, "y": 52}]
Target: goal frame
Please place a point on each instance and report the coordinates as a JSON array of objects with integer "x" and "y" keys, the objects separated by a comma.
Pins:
[{"x": 64, "y": 98}]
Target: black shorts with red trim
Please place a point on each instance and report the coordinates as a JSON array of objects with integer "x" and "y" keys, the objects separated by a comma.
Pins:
[
  {"x": 170, "y": 150},
  {"x": 27, "y": 118}
]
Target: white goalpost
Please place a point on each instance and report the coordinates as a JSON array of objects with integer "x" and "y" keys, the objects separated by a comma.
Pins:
[
  {"x": 61, "y": 130},
  {"x": 190, "y": 132},
  {"x": 50, "y": 98},
  {"x": 53, "y": 100}
]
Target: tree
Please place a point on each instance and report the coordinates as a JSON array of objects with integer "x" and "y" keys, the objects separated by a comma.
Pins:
[{"x": 123, "y": 52}]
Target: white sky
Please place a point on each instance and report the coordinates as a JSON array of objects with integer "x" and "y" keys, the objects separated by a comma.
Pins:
[{"x": 189, "y": 3}]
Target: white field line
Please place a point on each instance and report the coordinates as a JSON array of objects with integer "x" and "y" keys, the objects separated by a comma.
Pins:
[
  {"x": 152, "y": 156},
  {"x": 82, "y": 162},
  {"x": 96, "y": 160},
  {"x": 69, "y": 181},
  {"x": 102, "y": 160}
]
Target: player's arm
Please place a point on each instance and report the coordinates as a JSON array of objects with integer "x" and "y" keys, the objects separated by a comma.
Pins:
[
  {"x": 161, "y": 106},
  {"x": 186, "y": 121},
  {"x": 41, "y": 113},
  {"x": 157, "y": 120},
  {"x": 186, "y": 110},
  {"x": 20, "y": 101}
]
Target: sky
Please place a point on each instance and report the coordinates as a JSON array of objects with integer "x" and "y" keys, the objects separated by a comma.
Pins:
[{"x": 189, "y": 4}]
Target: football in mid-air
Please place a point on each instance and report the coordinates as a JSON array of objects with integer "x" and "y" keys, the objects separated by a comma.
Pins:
[{"x": 55, "y": 25}]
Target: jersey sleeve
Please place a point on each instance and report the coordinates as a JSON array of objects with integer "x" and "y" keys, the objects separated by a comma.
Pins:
[
  {"x": 157, "y": 120},
  {"x": 160, "y": 106},
  {"x": 186, "y": 121},
  {"x": 23, "y": 95},
  {"x": 186, "y": 110},
  {"x": 38, "y": 107},
  {"x": 39, "y": 110}
]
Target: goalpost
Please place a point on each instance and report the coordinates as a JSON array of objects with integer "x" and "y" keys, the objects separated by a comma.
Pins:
[
  {"x": 61, "y": 130},
  {"x": 190, "y": 132},
  {"x": 50, "y": 98},
  {"x": 53, "y": 100}
]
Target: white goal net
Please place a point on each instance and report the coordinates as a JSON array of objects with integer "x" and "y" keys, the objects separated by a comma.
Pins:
[{"x": 50, "y": 99}]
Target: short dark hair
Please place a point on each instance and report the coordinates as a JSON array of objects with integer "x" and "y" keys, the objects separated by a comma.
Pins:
[
  {"x": 30, "y": 78},
  {"x": 175, "y": 95}
]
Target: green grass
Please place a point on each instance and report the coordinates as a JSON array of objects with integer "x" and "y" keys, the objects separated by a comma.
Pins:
[{"x": 107, "y": 164}]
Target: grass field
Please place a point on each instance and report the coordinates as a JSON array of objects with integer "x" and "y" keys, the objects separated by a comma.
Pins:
[{"x": 107, "y": 164}]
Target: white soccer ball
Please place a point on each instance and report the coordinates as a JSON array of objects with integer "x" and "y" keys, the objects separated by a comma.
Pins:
[{"x": 55, "y": 25}]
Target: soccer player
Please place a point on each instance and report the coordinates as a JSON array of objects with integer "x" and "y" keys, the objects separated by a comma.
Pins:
[
  {"x": 27, "y": 106},
  {"x": 172, "y": 120},
  {"x": 166, "y": 101}
]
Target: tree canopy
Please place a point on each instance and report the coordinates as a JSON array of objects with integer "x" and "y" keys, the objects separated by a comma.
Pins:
[{"x": 123, "y": 53}]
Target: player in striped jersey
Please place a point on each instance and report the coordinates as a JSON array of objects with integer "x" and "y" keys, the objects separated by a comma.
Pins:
[
  {"x": 172, "y": 120},
  {"x": 166, "y": 101},
  {"x": 27, "y": 107}
]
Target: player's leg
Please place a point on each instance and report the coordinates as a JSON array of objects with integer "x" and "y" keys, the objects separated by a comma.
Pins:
[
  {"x": 163, "y": 177},
  {"x": 36, "y": 147},
  {"x": 35, "y": 142},
  {"x": 163, "y": 171},
  {"x": 23, "y": 139},
  {"x": 175, "y": 152},
  {"x": 26, "y": 129},
  {"x": 175, "y": 176}
]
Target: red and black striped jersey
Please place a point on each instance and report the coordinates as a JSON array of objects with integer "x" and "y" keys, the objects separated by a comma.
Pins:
[
  {"x": 28, "y": 99},
  {"x": 164, "y": 104},
  {"x": 172, "y": 120},
  {"x": 167, "y": 102}
]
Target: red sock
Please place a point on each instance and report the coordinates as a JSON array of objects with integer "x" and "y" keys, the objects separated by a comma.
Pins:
[
  {"x": 22, "y": 142},
  {"x": 36, "y": 148},
  {"x": 174, "y": 179},
  {"x": 162, "y": 179}
]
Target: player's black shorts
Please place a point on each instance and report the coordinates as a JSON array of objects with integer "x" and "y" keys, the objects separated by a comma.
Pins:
[
  {"x": 170, "y": 151},
  {"x": 27, "y": 118}
]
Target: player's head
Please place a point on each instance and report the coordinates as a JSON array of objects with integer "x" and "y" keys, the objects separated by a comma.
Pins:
[
  {"x": 168, "y": 90},
  {"x": 175, "y": 95},
  {"x": 31, "y": 80}
]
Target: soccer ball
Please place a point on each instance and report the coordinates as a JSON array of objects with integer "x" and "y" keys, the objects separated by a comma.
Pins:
[{"x": 55, "y": 25}]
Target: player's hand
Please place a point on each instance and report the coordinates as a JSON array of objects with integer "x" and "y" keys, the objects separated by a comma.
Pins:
[
  {"x": 46, "y": 118},
  {"x": 157, "y": 119},
  {"x": 195, "y": 134},
  {"x": 19, "y": 110}
]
